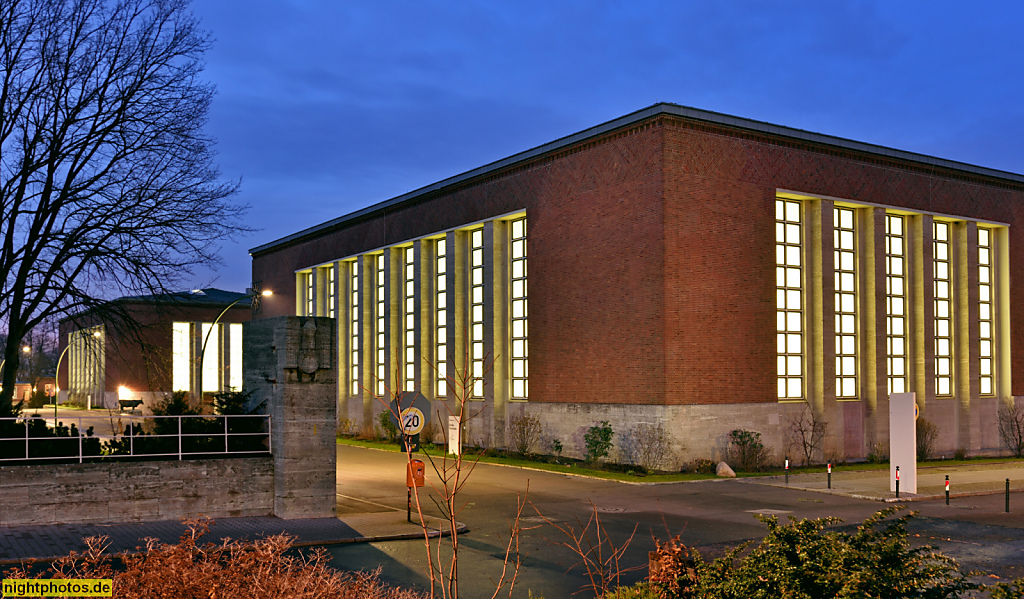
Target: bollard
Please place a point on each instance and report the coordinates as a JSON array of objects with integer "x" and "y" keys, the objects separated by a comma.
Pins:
[
  {"x": 787, "y": 470},
  {"x": 830, "y": 475},
  {"x": 947, "y": 489},
  {"x": 1007, "y": 496},
  {"x": 897, "y": 482},
  {"x": 408, "y": 506}
]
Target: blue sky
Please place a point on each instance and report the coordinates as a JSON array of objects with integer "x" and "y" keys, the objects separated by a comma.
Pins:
[{"x": 326, "y": 107}]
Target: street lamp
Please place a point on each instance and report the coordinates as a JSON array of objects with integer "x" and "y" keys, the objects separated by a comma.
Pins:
[
  {"x": 252, "y": 295},
  {"x": 24, "y": 349},
  {"x": 56, "y": 378}
]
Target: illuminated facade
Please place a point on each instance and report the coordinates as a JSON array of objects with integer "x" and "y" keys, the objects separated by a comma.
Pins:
[
  {"x": 625, "y": 273},
  {"x": 157, "y": 352}
]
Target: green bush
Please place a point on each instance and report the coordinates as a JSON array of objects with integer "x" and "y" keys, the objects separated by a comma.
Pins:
[
  {"x": 749, "y": 453},
  {"x": 704, "y": 466},
  {"x": 598, "y": 441},
  {"x": 389, "y": 428},
  {"x": 799, "y": 560}
]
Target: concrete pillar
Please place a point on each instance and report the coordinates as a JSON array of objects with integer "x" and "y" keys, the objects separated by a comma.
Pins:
[
  {"x": 874, "y": 366},
  {"x": 921, "y": 253},
  {"x": 496, "y": 276},
  {"x": 367, "y": 334},
  {"x": 289, "y": 363},
  {"x": 821, "y": 326},
  {"x": 965, "y": 338}
]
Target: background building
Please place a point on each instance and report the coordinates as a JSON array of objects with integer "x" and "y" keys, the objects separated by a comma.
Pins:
[
  {"x": 149, "y": 346},
  {"x": 681, "y": 267}
]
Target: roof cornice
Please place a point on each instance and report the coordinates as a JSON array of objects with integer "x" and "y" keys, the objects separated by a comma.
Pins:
[{"x": 718, "y": 119}]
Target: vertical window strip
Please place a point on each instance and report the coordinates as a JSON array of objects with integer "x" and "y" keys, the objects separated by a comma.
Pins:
[
  {"x": 476, "y": 312},
  {"x": 441, "y": 318},
  {"x": 409, "y": 317},
  {"x": 520, "y": 354},
  {"x": 181, "y": 359},
  {"x": 381, "y": 349},
  {"x": 789, "y": 300},
  {"x": 896, "y": 303},
  {"x": 986, "y": 320},
  {"x": 309, "y": 293},
  {"x": 354, "y": 328},
  {"x": 943, "y": 310},
  {"x": 845, "y": 253},
  {"x": 330, "y": 291}
]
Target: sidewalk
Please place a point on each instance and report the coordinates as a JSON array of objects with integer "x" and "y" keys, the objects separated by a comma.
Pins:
[
  {"x": 964, "y": 480},
  {"x": 46, "y": 542}
]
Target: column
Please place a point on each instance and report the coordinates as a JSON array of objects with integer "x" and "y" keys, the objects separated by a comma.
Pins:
[
  {"x": 821, "y": 326},
  {"x": 496, "y": 276},
  {"x": 874, "y": 350},
  {"x": 965, "y": 339}
]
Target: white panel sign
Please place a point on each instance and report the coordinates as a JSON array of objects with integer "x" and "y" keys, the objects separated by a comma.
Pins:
[
  {"x": 903, "y": 442},
  {"x": 454, "y": 435}
]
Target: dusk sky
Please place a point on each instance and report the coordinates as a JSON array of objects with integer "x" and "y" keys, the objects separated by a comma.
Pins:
[{"x": 324, "y": 108}]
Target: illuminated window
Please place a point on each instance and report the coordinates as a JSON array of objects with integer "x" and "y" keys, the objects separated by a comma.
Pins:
[
  {"x": 409, "y": 318},
  {"x": 844, "y": 234},
  {"x": 896, "y": 302},
  {"x": 943, "y": 311},
  {"x": 354, "y": 328},
  {"x": 789, "y": 303},
  {"x": 181, "y": 358},
  {"x": 309, "y": 294},
  {"x": 441, "y": 319},
  {"x": 235, "y": 360},
  {"x": 211, "y": 361},
  {"x": 330, "y": 291},
  {"x": 381, "y": 375},
  {"x": 520, "y": 354},
  {"x": 476, "y": 318},
  {"x": 985, "y": 311}
]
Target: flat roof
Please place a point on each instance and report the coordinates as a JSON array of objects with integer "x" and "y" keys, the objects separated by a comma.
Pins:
[{"x": 664, "y": 108}]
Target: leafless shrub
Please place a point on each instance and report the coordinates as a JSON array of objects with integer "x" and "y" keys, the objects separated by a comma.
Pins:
[
  {"x": 647, "y": 446},
  {"x": 671, "y": 569},
  {"x": 806, "y": 432},
  {"x": 926, "y": 434},
  {"x": 1011, "y": 427},
  {"x": 597, "y": 553},
  {"x": 236, "y": 569},
  {"x": 523, "y": 433}
]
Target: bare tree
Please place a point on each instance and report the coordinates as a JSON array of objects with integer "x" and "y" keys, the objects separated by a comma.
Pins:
[
  {"x": 1011, "y": 427},
  {"x": 107, "y": 183},
  {"x": 806, "y": 432}
]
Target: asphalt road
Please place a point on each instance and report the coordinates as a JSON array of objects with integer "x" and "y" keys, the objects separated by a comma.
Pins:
[{"x": 709, "y": 515}]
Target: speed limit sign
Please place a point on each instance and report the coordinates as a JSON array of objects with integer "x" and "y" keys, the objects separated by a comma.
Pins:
[{"x": 412, "y": 421}]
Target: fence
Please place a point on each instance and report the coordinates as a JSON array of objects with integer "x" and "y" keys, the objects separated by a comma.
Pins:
[{"x": 29, "y": 439}]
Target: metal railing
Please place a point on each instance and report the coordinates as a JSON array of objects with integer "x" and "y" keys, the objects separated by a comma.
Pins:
[{"x": 36, "y": 438}]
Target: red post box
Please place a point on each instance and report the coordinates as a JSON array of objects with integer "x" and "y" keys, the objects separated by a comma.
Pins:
[{"x": 414, "y": 474}]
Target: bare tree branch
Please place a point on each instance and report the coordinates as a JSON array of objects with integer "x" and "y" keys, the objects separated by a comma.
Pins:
[{"x": 107, "y": 183}]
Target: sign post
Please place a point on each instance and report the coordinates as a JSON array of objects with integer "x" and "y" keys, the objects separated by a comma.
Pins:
[{"x": 410, "y": 413}]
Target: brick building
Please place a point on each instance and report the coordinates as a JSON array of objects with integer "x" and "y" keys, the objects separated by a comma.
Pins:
[
  {"x": 689, "y": 268},
  {"x": 149, "y": 346}
]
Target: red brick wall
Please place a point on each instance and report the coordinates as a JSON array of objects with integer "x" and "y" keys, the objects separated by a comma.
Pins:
[{"x": 719, "y": 222}]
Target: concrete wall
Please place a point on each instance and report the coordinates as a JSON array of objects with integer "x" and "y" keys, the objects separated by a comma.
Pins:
[{"x": 136, "y": 491}]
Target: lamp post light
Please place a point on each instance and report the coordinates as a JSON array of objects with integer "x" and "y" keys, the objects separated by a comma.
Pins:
[
  {"x": 25, "y": 349},
  {"x": 252, "y": 295}
]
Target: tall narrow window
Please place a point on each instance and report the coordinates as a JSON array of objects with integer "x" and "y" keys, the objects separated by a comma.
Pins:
[
  {"x": 309, "y": 295},
  {"x": 330, "y": 291},
  {"x": 896, "y": 303},
  {"x": 520, "y": 354},
  {"x": 409, "y": 317},
  {"x": 381, "y": 349},
  {"x": 476, "y": 312},
  {"x": 845, "y": 252},
  {"x": 235, "y": 360},
  {"x": 353, "y": 320},
  {"x": 789, "y": 300},
  {"x": 943, "y": 311},
  {"x": 441, "y": 319},
  {"x": 181, "y": 359},
  {"x": 985, "y": 311},
  {"x": 211, "y": 358}
]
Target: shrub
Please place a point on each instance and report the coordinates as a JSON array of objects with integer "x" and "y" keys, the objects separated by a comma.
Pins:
[
  {"x": 877, "y": 455},
  {"x": 236, "y": 569},
  {"x": 648, "y": 445},
  {"x": 926, "y": 434},
  {"x": 38, "y": 398},
  {"x": 704, "y": 466},
  {"x": 346, "y": 427},
  {"x": 748, "y": 453},
  {"x": 960, "y": 454},
  {"x": 556, "y": 446},
  {"x": 800, "y": 561},
  {"x": 598, "y": 441},
  {"x": 389, "y": 428},
  {"x": 806, "y": 432},
  {"x": 523, "y": 433}
]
